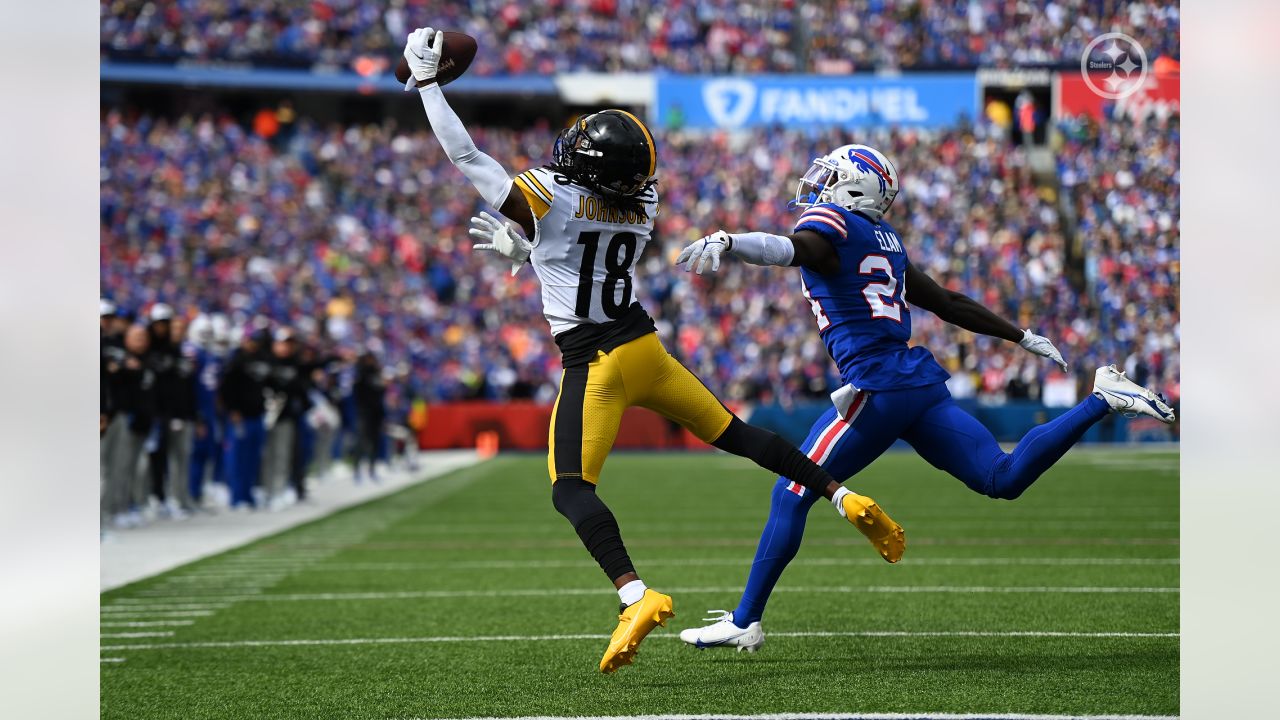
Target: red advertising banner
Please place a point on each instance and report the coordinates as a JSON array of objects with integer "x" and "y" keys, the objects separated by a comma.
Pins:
[
  {"x": 1159, "y": 95},
  {"x": 523, "y": 426}
]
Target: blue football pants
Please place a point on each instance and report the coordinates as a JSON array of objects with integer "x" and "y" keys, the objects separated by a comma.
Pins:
[{"x": 949, "y": 438}]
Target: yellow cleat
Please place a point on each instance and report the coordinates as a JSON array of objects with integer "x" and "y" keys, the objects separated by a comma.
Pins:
[
  {"x": 636, "y": 621},
  {"x": 885, "y": 534}
]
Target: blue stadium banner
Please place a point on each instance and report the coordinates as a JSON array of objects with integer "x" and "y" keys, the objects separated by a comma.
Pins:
[{"x": 814, "y": 100}]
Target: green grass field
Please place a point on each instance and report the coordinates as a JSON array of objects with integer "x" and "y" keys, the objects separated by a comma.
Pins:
[{"x": 468, "y": 596}]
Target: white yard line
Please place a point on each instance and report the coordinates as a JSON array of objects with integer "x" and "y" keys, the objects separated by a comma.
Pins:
[
  {"x": 154, "y": 634},
  {"x": 134, "y": 607},
  {"x": 164, "y": 614},
  {"x": 150, "y": 602},
  {"x": 148, "y": 623},
  {"x": 840, "y": 716},
  {"x": 207, "y": 578},
  {"x": 161, "y": 593},
  {"x": 131, "y": 555},
  {"x": 111, "y": 660},
  {"x": 561, "y": 592},
  {"x": 733, "y": 562},
  {"x": 594, "y": 636},
  {"x": 976, "y": 633},
  {"x": 197, "y": 576}
]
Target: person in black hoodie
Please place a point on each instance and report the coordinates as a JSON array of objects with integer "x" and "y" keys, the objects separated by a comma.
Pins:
[
  {"x": 242, "y": 394},
  {"x": 304, "y": 442},
  {"x": 370, "y": 399},
  {"x": 110, "y": 349},
  {"x": 131, "y": 388},
  {"x": 324, "y": 416},
  {"x": 162, "y": 361},
  {"x": 287, "y": 384},
  {"x": 178, "y": 399},
  {"x": 110, "y": 343}
]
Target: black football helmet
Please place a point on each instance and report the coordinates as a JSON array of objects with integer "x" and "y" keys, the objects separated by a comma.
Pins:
[{"x": 610, "y": 152}]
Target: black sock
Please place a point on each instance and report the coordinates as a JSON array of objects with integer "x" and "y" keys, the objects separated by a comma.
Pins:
[
  {"x": 576, "y": 499},
  {"x": 771, "y": 452}
]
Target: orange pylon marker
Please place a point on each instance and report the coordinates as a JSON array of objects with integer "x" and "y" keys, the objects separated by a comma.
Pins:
[{"x": 487, "y": 444}]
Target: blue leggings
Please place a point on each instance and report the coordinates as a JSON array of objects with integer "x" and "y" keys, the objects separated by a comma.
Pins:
[
  {"x": 944, "y": 435},
  {"x": 245, "y": 456}
]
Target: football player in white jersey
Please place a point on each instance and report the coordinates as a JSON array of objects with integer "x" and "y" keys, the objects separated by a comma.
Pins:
[{"x": 590, "y": 213}]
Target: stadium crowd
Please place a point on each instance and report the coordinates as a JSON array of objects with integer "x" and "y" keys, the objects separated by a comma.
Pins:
[
  {"x": 355, "y": 238},
  {"x": 185, "y": 407},
  {"x": 687, "y": 36}
]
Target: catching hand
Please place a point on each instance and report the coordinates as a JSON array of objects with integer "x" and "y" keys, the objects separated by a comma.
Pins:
[{"x": 422, "y": 51}]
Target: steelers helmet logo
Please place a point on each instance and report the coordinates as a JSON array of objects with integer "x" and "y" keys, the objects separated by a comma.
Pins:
[{"x": 1114, "y": 65}]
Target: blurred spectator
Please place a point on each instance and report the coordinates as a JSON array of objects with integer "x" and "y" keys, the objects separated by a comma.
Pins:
[
  {"x": 131, "y": 386},
  {"x": 208, "y": 340},
  {"x": 370, "y": 401},
  {"x": 165, "y": 443},
  {"x": 243, "y": 395},
  {"x": 683, "y": 36},
  {"x": 287, "y": 384},
  {"x": 111, "y": 346},
  {"x": 323, "y": 417},
  {"x": 176, "y": 392}
]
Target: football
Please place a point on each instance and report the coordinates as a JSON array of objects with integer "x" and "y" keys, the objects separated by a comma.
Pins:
[{"x": 459, "y": 51}]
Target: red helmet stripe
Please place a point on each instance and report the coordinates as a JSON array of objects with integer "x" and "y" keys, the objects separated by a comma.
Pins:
[{"x": 875, "y": 165}]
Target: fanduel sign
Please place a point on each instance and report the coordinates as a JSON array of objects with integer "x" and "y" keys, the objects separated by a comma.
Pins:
[{"x": 809, "y": 100}]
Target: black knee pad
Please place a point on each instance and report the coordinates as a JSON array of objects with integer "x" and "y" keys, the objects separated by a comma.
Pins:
[{"x": 576, "y": 499}]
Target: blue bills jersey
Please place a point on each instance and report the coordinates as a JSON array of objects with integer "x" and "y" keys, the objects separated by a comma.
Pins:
[
  {"x": 862, "y": 315},
  {"x": 209, "y": 366}
]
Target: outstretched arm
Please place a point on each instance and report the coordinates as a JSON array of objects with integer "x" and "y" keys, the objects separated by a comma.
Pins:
[
  {"x": 804, "y": 248},
  {"x": 957, "y": 308},
  {"x": 963, "y": 311},
  {"x": 492, "y": 181}
]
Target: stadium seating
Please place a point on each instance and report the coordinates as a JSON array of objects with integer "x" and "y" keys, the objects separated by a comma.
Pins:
[
  {"x": 357, "y": 235},
  {"x": 627, "y": 35}
]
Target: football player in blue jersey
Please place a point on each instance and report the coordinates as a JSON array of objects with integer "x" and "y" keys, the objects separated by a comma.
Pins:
[{"x": 858, "y": 280}]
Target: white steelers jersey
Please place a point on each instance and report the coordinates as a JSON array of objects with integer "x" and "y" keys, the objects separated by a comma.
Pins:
[{"x": 583, "y": 252}]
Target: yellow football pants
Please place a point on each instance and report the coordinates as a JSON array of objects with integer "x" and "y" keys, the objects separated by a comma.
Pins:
[{"x": 589, "y": 408}]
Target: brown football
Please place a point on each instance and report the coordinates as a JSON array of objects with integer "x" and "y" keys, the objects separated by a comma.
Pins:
[{"x": 459, "y": 51}]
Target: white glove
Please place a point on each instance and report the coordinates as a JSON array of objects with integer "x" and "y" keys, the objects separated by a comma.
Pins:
[
  {"x": 1038, "y": 345},
  {"x": 501, "y": 238},
  {"x": 705, "y": 250},
  {"x": 423, "y": 51}
]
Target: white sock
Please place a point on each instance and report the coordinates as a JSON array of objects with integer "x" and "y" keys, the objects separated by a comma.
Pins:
[
  {"x": 836, "y": 499},
  {"x": 631, "y": 593}
]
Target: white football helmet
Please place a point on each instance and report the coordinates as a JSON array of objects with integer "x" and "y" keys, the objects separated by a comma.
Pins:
[
  {"x": 200, "y": 332},
  {"x": 855, "y": 177},
  {"x": 222, "y": 332}
]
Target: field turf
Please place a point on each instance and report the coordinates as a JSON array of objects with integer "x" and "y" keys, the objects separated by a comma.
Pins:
[{"x": 468, "y": 596}]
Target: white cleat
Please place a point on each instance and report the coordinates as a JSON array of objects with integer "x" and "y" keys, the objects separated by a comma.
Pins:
[
  {"x": 1129, "y": 398},
  {"x": 723, "y": 633}
]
